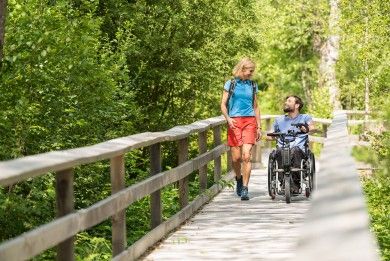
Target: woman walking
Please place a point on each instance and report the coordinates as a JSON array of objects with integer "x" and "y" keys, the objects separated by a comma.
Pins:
[{"x": 239, "y": 107}]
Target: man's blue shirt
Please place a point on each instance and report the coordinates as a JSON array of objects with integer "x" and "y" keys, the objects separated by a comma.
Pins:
[
  {"x": 283, "y": 124},
  {"x": 240, "y": 103}
]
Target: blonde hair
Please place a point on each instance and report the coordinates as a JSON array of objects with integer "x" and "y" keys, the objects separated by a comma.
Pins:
[{"x": 241, "y": 65}]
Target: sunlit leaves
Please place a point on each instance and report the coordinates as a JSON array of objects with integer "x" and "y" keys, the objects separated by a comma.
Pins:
[
  {"x": 52, "y": 65},
  {"x": 288, "y": 58},
  {"x": 365, "y": 53}
]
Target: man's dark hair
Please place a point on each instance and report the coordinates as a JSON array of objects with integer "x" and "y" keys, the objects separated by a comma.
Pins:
[{"x": 297, "y": 101}]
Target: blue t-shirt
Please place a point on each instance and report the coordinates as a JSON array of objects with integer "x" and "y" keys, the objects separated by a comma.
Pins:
[
  {"x": 240, "y": 103},
  {"x": 283, "y": 124}
]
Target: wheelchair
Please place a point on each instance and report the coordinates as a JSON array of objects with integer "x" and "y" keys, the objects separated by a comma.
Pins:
[{"x": 280, "y": 177}]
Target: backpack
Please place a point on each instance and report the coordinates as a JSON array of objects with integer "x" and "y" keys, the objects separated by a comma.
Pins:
[{"x": 231, "y": 91}]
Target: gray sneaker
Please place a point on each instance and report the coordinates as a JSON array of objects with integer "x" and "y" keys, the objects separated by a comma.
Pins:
[{"x": 244, "y": 193}]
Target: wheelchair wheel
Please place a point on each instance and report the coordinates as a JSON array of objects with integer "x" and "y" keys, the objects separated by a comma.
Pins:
[
  {"x": 271, "y": 177},
  {"x": 312, "y": 172},
  {"x": 287, "y": 188}
]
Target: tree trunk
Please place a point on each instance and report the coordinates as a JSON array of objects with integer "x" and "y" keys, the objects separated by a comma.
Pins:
[
  {"x": 3, "y": 12},
  {"x": 329, "y": 56}
]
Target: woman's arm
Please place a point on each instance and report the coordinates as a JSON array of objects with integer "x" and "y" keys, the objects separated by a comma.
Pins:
[
  {"x": 258, "y": 119},
  {"x": 224, "y": 111}
]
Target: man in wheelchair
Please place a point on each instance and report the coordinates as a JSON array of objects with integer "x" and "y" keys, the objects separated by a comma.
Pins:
[{"x": 298, "y": 144}]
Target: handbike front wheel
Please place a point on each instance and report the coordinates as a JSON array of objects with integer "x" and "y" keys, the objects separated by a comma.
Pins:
[{"x": 287, "y": 186}]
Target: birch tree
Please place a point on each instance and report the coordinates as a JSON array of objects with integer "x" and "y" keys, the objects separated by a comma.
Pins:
[{"x": 329, "y": 56}]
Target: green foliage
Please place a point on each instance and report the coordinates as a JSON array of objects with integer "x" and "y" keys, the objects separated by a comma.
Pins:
[
  {"x": 316, "y": 149},
  {"x": 386, "y": 143},
  {"x": 377, "y": 187},
  {"x": 380, "y": 144},
  {"x": 271, "y": 101},
  {"x": 288, "y": 55},
  {"x": 57, "y": 88},
  {"x": 226, "y": 183},
  {"x": 26, "y": 206},
  {"x": 364, "y": 53},
  {"x": 170, "y": 195},
  {"x": 377, "y": 190},
  {"x": 320, "y": 106},
  {"x": 177, "y": 58},
  {"x": 364, "y": 58},
  {"x": 365, "y": 154},
  {"x": 138, "y": 220},
  {"x": 92, "y": 248}
]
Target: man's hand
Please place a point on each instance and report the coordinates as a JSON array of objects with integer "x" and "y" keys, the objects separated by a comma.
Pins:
[{"x": 305, "y": 128}]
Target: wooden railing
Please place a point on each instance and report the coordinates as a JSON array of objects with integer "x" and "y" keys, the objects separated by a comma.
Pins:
[
  {"x": 337, "y": 223},
  {"x": 69, "y": 222},
  {"x": 62, "y": 230}
]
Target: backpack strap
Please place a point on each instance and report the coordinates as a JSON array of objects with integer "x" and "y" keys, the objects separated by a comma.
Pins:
[
  {"x": 253, "y": 93},
  {"x": 231, "y": 91}
]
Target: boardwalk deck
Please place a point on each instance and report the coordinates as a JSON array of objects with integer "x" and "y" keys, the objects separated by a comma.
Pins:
[{"x": 228, "y": 228}]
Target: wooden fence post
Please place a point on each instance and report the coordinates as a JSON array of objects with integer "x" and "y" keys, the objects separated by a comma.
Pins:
[
  {"x": 117, "y": 172},
  {"x": 183, "y": 183},
  {"x": 217, "y": 161},
  {"x": 202, "y": 143},
  {"x": 325, "y": 129},
  {"x": 155, "y": 197},
  {"x": 65, "y": 205}
]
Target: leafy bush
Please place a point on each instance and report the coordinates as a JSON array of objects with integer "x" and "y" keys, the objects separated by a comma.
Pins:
[
  {"x": 377, "y": 191},
  {"x": 377, "y": 187}
]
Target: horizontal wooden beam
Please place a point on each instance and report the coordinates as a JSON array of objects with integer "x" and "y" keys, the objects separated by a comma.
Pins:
[
  {"x": 359, "y": 122},
  {"x": 322, "y": 121},
  {"x": 356, "y": 112}
]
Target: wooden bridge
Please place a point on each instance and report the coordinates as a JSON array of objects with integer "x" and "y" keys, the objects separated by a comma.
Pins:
[{"x": 333, "y": 225}]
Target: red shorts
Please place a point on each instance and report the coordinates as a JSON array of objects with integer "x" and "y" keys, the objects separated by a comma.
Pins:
[{"x": 245, "y": 132}]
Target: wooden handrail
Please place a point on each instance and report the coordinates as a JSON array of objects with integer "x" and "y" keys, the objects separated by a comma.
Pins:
[{"x": 356, "y": 112}]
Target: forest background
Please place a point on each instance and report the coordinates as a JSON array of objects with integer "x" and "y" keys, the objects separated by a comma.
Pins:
[{"x": 78, "y": 72}]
